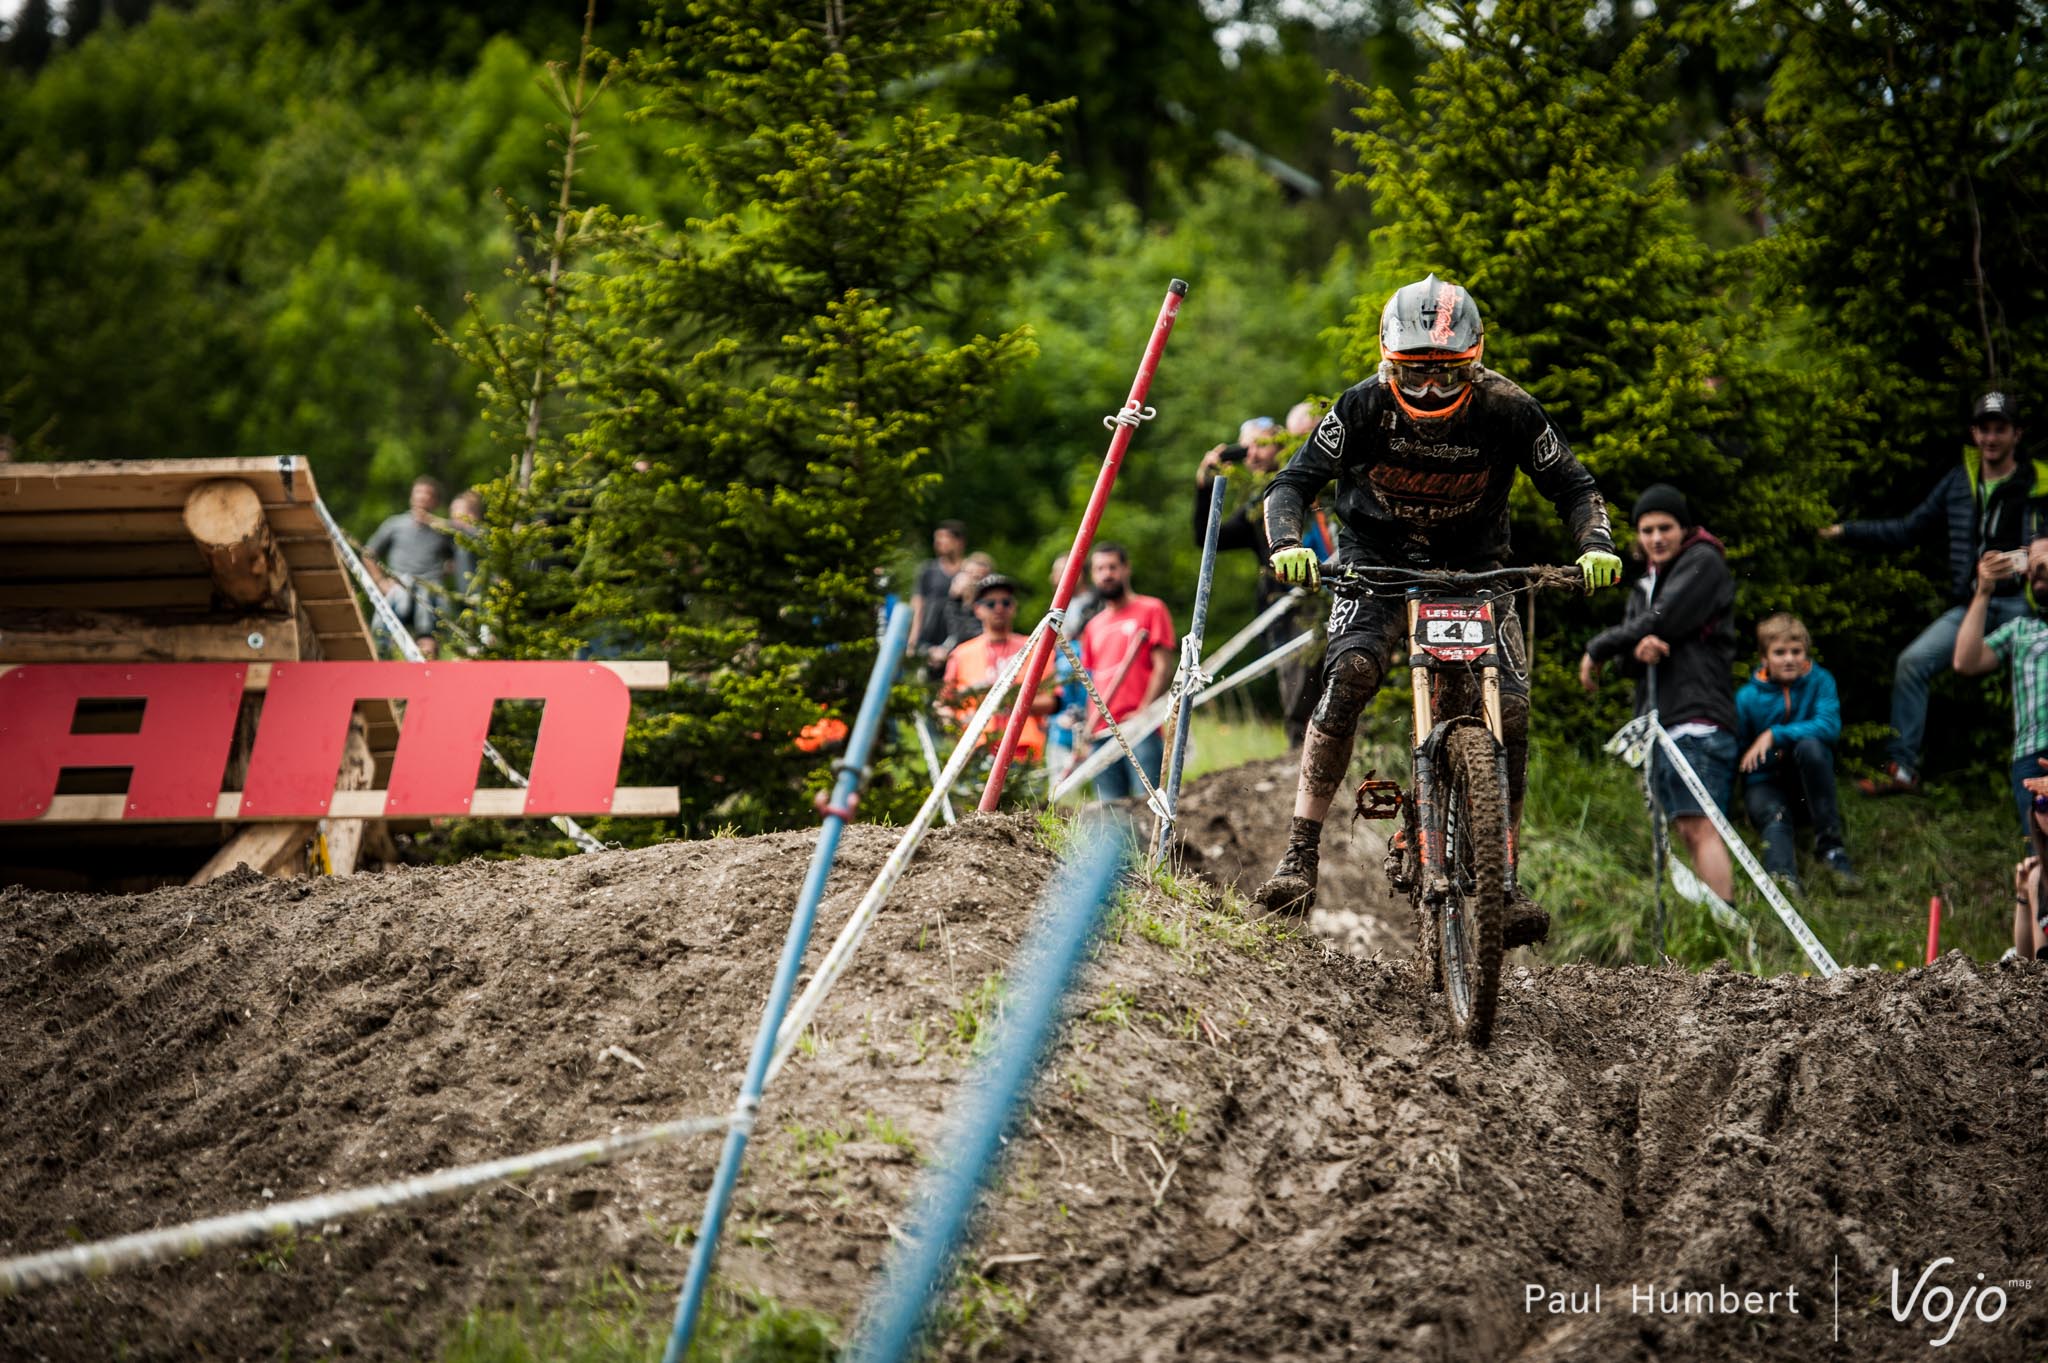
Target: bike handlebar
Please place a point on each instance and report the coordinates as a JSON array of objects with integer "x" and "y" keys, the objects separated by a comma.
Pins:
[{"x": 1375, "y": 580}]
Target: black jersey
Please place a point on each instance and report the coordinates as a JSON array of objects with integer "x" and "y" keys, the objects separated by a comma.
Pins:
[{"x": 1436, "y": 491}]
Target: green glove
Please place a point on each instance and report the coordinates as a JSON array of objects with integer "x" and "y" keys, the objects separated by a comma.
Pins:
[
  {"x": 1601, "y": 568},
  {"x": 1297, "y": 567}
]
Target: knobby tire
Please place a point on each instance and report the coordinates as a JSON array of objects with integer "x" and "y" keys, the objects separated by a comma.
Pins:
[{"x": 1472, "y": 916}]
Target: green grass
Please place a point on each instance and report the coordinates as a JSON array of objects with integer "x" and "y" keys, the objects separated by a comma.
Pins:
[
  {"x": 615, "y": 1321},
  {"x": 1224, "y": 736},
  {"x": 1586, "y": 857}
]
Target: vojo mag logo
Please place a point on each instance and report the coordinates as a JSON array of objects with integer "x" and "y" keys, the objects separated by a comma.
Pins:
[{"x": 1943, "y": 1308}]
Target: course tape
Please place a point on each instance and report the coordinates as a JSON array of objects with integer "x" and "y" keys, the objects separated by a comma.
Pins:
[
  {"x": 173, "y": 1242},
  {"x": 841, "y": 951}
]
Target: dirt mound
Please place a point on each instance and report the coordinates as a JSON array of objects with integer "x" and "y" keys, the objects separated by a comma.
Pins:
[
  {"x": 1250, "y": 1146},
  {"x": 1233, "y": 828}
]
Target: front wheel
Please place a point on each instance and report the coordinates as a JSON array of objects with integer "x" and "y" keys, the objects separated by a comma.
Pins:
[{"x": 1474, "y": 906}]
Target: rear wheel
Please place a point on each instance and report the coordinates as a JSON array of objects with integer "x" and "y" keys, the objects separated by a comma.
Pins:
[{"x": 1470, "y": 918}]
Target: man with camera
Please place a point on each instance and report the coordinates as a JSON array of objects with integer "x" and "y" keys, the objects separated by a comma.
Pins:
[
  {"x": 1992, "y": 502},
  {"x": 1249, "y": 465}
]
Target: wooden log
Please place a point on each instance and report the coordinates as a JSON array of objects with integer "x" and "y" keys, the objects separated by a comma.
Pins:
[
  {"x": 271, "y": 848},
  {"x": 56, "y": 636},
  {"x": 358, "y": 772},
  {"x": 226, "y": 520}
]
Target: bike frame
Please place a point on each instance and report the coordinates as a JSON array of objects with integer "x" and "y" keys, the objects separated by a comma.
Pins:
[{"x": 1450, "y": 634}]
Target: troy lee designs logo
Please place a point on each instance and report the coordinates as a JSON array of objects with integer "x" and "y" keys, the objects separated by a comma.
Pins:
[{"x": 1939, "y": 1306}]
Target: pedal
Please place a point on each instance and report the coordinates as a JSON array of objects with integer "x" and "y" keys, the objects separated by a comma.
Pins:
[{"x": 1378, "y": 799}]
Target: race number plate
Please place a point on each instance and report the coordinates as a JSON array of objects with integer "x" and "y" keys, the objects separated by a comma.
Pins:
[{"x": 1454, "y": 631}]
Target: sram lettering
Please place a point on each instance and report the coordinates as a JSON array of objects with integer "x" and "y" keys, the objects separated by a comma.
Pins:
[{"x": 178, "y": 756}]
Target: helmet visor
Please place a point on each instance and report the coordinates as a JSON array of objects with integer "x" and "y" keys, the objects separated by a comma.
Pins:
[{"x": 1433, "y": 375}]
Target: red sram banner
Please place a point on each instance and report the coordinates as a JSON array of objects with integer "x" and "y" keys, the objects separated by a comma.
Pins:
[{"x": 178, "y": 756}]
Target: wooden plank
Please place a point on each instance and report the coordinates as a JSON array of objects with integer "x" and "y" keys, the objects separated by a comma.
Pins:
[
  {"x": 56, "y": 636},
  {"x": 131, "y": 594},
  {"x": 309, "y": 551},
  {"x": 333, "y": 615},
  {"x": 75, "y": 562},
  {"x": 118, "y": 484},
  {"x": 293, "y": 518},
  {"x": 346, "y": 648},
  {"x": 487, "y": 803},
  {"x": 358, "y": 772},
  {"x": 89, "y": 527},
  {"x": 320, "y": 584},
  {"x": 264, "y": 847}
]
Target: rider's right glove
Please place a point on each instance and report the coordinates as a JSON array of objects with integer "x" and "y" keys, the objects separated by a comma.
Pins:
[
  {"x": 1297, "y": 567},
  {"x": 1601, "y": 568}
]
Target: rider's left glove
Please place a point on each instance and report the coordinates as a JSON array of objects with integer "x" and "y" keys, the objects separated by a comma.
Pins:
[{"x": 1601, "y": 568}]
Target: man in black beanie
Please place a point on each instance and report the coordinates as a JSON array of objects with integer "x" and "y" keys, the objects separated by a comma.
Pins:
[{"x": 1680, "y": 620}]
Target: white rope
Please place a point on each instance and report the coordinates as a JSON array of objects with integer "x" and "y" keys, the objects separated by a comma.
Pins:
[
  {"x": 1630, "y": 743},
  {"x": 173, "y": 1242},
  {"x": 1130, "y": 415},
  {"x": 1153, "y": 716},
  {"x": 1153, "y": 799},
  {"x": 843, "y": 946},
  {"x": 397, "y": 630}
]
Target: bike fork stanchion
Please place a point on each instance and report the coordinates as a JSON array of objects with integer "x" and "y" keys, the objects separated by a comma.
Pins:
[
  {"x": 1190, "y": 679},
  {"x": 919, "y": 1271},
  {"x": 845, "y": 799},
  {"x": 1121, "y": 424}
]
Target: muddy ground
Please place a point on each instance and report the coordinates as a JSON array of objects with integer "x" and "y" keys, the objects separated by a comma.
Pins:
[{"x": 1248, "y": 1147}]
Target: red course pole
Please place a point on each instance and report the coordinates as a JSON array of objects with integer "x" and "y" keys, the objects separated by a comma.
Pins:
[
  {"x": 1933, "y": 928},
  {"x": 1123, "y": 424}
]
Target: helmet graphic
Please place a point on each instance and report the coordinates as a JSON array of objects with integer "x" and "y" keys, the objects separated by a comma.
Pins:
[{"x": 1430, "y": 340}]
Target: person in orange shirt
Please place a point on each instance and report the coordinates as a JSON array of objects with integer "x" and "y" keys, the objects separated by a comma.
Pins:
[{"x": 973, "y": 665}]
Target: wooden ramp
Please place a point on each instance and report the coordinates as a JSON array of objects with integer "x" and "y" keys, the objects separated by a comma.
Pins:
[{"x": 176, "y": 560}]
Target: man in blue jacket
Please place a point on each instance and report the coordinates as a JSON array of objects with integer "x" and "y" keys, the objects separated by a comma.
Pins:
[
  {"x": 1788, "y": 719},
  {"x": 1993, "y": 502}
]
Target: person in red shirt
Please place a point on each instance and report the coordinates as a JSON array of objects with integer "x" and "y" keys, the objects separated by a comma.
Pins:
[
  {"x": 1129, "y": 649},
  {"x": 973, "y": 664}
]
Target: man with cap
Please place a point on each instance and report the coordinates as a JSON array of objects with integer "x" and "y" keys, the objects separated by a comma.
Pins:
[
  {"x": 1680, "y": 621},
  {"x": 1992, "y": 502},
  {"x": 974, "y": 663},
  {"x": 1424, "y": 454}
]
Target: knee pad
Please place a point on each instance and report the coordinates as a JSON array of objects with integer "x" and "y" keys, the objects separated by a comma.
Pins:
[{"x": 1351, "y": 682}]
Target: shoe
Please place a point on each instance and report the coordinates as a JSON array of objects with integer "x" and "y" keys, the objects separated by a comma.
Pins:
[
  {"x": 1790, "y": 884},
  {"x": 1291, "y": 889},
  {"x": 1836, "y": 859},
  {"x": 1891, "y": 779},
  {"x": 1527, "y": 923}
]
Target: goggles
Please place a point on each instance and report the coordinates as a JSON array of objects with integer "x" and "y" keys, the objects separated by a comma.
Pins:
[{"x": 1441, "y": 376}]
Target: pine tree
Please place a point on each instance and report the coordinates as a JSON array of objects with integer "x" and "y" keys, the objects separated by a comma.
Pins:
[{"x": 758, "y": 394}]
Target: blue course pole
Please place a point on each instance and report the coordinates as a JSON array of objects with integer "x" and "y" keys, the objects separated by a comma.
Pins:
[
  {"x": 1191, "y": 657},
  {"x": 920, "y": 1271},
  {"x": 845, "y": 795}
]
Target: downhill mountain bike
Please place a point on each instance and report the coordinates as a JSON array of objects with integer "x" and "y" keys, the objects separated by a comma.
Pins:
[{"x": 1454, "y": 855}]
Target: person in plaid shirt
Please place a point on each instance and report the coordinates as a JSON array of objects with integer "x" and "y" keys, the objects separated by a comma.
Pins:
[{"x": 2022, "y": 642}]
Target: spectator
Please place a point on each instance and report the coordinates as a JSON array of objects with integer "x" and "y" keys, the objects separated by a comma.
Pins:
[
  {"x": 1677, "y": 632},
  {"x": 1260, "y": 441},
  {"x": 2030, "y": 904},
  {"x": 1070, "y": 715},
  {"x": 1128, "y": 649},
  {"x": 973, "y": 665},
  {"x": 2022, "y": 642},
  {"x": 1991, "y": 502},
  {"x": 409, "y": 556},
  {"x": 466, "y": 520},
  {"x": 1084, "y": 603},
  {"x": 1789, "y": 720},
  {"x": 929, "y": 591}
]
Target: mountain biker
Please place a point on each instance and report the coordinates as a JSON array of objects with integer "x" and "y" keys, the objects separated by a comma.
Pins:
[{"x": 1423, "y": 454}]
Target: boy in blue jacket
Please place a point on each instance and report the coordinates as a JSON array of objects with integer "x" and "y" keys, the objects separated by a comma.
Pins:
[{"x": 1788, "y": 720}]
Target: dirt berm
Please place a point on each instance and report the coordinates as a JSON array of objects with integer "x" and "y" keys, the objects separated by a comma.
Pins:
[{"x": 1249, "y": 1147}]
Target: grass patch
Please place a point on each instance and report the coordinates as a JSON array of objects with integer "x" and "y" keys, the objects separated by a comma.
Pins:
[
  {"x": 1586, "y": 857},
  {"x": 615, "y": 1321},
  {"x": 1225, "y": 737}
]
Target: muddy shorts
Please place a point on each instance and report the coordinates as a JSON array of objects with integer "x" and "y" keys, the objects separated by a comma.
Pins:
[{"x": 1377, "y": 626}]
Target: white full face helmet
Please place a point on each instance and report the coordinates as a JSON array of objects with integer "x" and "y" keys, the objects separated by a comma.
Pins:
[{"x": 1430, "y": 341}]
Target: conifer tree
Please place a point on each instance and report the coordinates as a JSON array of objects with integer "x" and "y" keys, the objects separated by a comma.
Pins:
[{"x": 757, "y": 395}]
